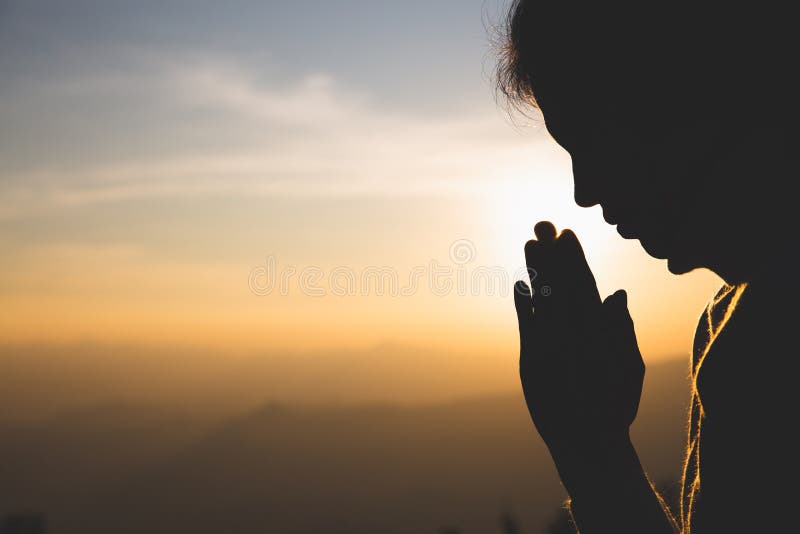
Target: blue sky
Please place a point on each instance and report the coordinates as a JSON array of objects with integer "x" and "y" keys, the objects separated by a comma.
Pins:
[
  {"x": 144, "y": 88},
  {"x": 409, "y": 57}
]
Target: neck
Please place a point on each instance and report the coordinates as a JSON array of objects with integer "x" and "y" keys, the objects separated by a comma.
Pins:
[{"x": 762, "y": 269}]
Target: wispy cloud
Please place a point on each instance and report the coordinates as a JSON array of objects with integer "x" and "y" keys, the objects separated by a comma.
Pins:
[{"x": 312, "y": 136}]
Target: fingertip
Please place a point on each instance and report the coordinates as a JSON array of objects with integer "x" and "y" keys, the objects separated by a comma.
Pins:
[
  {"x": 569, "y": 244},
  {"x": 618, "y": 298},
  {"x": 568, "y": 235},
  {"x": 545, "y": 231},
  {"x": 616, "y": 307},
  {"x": 622, "y": 295}
]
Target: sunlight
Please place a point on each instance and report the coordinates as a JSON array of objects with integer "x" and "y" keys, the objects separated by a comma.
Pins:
[{"x": 516, "y": 204}]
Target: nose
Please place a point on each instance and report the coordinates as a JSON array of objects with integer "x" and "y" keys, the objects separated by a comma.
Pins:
[
  {"x": 583, "y": 199},
  {"x": 585, "y": 189}
]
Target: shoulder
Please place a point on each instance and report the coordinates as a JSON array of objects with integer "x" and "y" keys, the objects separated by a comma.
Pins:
[{"x": 713, "y": 319}]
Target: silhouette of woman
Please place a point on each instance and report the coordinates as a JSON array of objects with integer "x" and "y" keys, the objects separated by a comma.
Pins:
[{"x": 682, "y": 126}]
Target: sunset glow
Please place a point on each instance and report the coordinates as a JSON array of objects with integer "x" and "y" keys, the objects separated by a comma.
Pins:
[{"x": 139, "y": 220}]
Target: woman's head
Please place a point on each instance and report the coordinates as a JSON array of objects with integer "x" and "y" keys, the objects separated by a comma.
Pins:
[{"x": 679, "y": 124}]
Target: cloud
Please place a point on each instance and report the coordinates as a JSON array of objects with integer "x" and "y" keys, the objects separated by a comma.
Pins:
[
  {"x": 311, "y": 102},
  {"x": 230, "y": 127}
]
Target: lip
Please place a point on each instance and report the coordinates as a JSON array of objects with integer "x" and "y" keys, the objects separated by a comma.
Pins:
[
  {"x": 609, "y": 218},
  {"x": 626, "y": 231}
]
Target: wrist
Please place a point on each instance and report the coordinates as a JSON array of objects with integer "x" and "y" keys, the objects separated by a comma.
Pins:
[{"x": 595, "y": 466}]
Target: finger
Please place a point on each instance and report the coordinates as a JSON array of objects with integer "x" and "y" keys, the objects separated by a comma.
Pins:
[
  {"x": 524, "y": 307},
  {"x": 545, "y": 231},
  {"x": 539, "y": 258},
  {"x": 578, "y": 278},
  {"x": 532, "y": 255}
]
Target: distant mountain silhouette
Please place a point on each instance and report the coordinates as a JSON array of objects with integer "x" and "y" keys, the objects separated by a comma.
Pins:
[
  {"x": 23, "y": 524},
  {"x": 370, "y": 468},
  {"x": 44, "y": 381}
]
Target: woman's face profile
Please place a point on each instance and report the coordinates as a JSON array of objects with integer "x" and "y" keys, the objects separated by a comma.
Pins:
[
  {"x": 651, "y": 175},
  {"x": 685, "y": 137}
]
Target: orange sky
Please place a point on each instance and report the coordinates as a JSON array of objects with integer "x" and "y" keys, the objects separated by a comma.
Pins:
[
  {"x": 147, "y": 176},
  {"x": 194, "y": 288}
]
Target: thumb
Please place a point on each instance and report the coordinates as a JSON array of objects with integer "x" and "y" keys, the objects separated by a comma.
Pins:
[
  {"x": 618, "y": 321},
  {"x": 620, "y": 328},
  {"x": 615, "y": 309}
]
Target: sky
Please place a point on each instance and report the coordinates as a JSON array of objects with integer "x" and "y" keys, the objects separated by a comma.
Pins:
[{"x": 285, "y": 178}]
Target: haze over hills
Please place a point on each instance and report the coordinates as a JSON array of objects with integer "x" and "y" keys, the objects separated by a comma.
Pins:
[
  {"x": 280, "y": 467},
  {"x": 43, "y": 381}
]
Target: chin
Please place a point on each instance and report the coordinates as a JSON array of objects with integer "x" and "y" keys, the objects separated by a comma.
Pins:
[
  {"x": 655, "y": 248},
  {"x": 660, "y": 250},
  {"x": 678, "y": 266}
]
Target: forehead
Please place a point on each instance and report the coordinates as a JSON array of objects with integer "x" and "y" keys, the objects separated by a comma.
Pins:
[
  {"x": 570, "y": 107},
  {"x": 577, "y": 102},
  {"x": 604, "y": 80}
]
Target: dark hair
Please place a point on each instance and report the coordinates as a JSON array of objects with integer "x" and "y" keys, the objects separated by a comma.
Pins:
[
  {"x": 707, "y": 60},
  {"x": 512, "y": 78}
]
